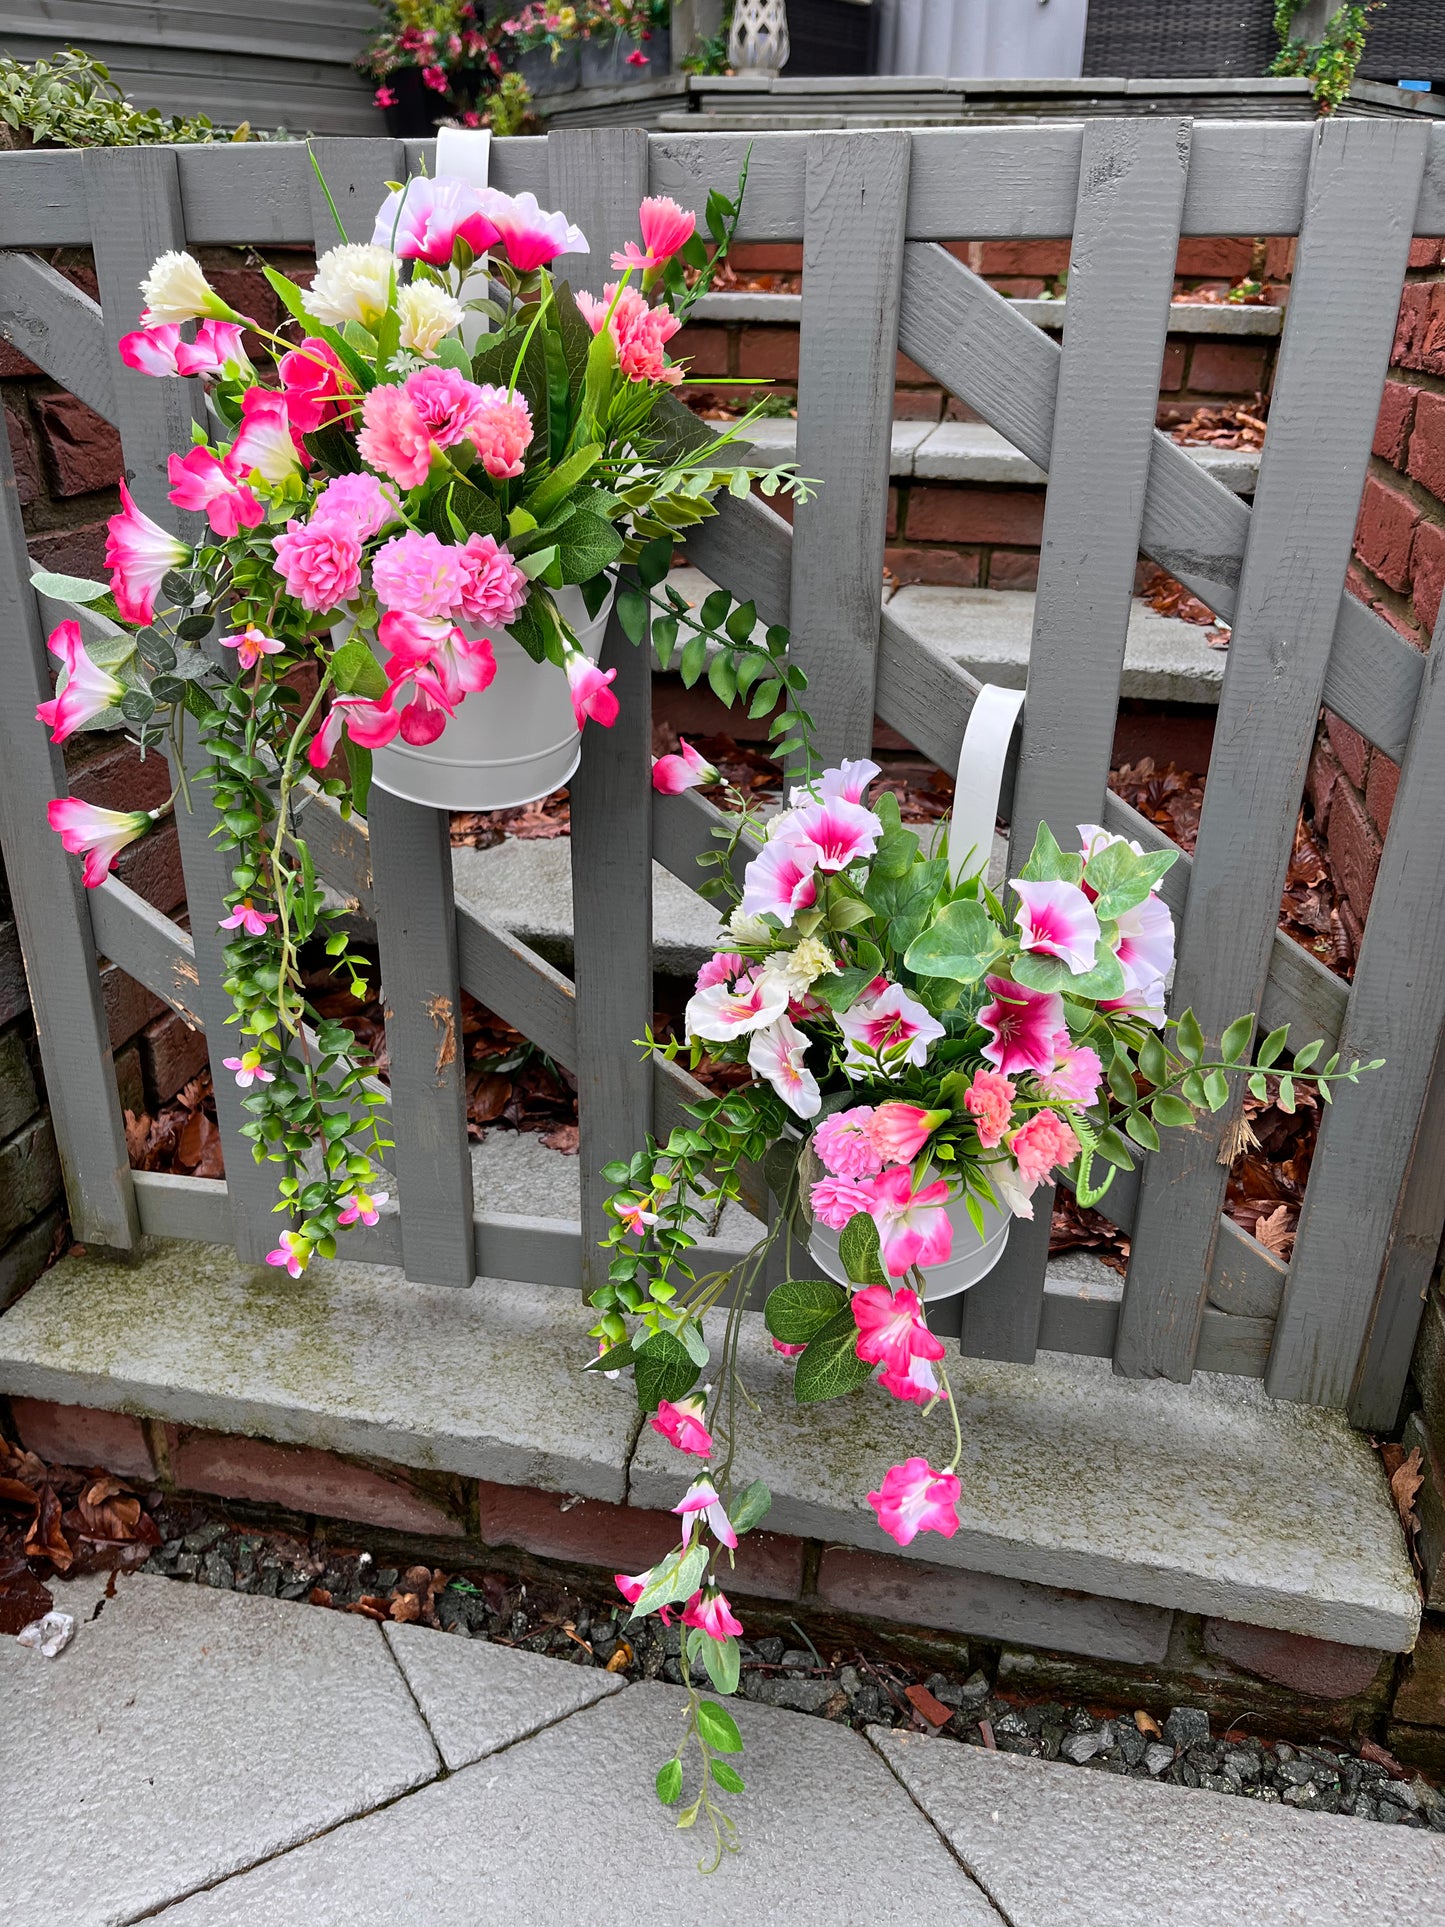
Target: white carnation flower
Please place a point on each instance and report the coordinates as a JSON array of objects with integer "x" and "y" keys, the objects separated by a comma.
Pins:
[
  {"x": 750, "y": 929},
  {"x": 796, "y": 970},
  {"x": 176, "y": 289},
  {"x": 353, "y": 283},
  {"x": 428, "y": 313}
]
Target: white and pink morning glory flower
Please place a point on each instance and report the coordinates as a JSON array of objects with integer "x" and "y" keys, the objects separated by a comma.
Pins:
[
  {"x": 1056, "y": 919},
  {"x": 99, "y": 835},
  {"x": 1145, "y": 948},
  {"x": 727, "y": 1010},
  {"x": 1022, "y": 1025},
  {"x": 914, "y": 1498},
  {"x": 777, "y": 1054},
  {"x": 85, "y": 690},
  {"x": 702, "y": 1498},
  {"x": 779, "y": 880},
  {"x": 913, "y": 1226},
  {"x": 887, "y": 1031},
  {"x": 837, "y": 833}
]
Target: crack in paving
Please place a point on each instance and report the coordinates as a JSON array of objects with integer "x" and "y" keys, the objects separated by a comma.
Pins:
[{"x": 968, "y": 1873}]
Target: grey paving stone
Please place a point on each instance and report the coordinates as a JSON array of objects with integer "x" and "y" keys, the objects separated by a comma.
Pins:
[
  {"x": 477, "y": 1697},
  {"x": 484, "y": 1382},
  {"x": 514, "y": 1172},
  {"x": 185, "y": 1734},
  {"x": 1052, "y": 1844},
  {"x": 1209, "y": 1497},
  {"x": 989, "y": 630},
  {"x": 563, "y": 1831}
]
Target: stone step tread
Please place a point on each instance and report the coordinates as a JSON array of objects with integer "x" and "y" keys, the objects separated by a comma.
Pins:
[
  {"x": 1185, "y": 317},
  {"x": 1210, "y": 1498}
]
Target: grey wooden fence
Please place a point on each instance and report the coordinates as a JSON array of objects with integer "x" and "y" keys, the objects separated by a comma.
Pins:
[{"x": 1336, "y": 1325}]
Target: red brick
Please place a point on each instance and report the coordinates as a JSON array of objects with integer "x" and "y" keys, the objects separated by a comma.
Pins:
[
  {"x": 1015, "y": 257},
  {"x": 1228, "y": 367},
  {"x": 917, "y": 404},
  {"x": 108, "y": 771},
  {"x": 619, "y": 1538},
  {"x": 152, "y": 868},
  {"x": 14, "y": 365},
  {"x": 943, "y": 514},
  {"x": 1354, "y": 928},
  {"x": 959, "y": 411},
  {"x": 247, "y": 291},
  {"x": 906, "y": 370},
  {"x": 171, "y": 1055},
  {"x": 303, "y": 1479},
  {"x": 29, "y": 485},
  {"x": 1354, "y": 849},
  {"x": 1349, "y": 746},
  {"x": 128, "y": 1005},
  {"x": 1321, "y": 1668},
  {"x": 72, "y": 551},
  {"x": 1396, "y": 418},
  {"x": 1324, "y": 774},
  {"x": 767, "y": 257},
  {"x": 959, "y": 568},
  {"x": 1384, "y": 533},
  {"x": 1171, "y": 374},
  {"x": 1427, "y": 572},
  {"x": 1357, "y": 585},
  {"x": 1020, "y": 287},
  {"x": 904, "y": 1591},
  {"x": 1279, "y": 253},
  {"x": 1013, "y": 569},
  {"x": 1424, "y": 254},
  {"x": 706, "y": 349},
  {"x": 768, "y": 354},
  {"x": 1420, "y": 330},
  {"x": 1422, "y": 1690},
  {"x": 80, "y": 1435},
  {"x": 1380, "y": 790},
  {"x": 84, "y": 448},
  {"x": 1210, "y": 254},
  {"x": 1427, "y": 443},
  {"x": 892, "y": 526}
]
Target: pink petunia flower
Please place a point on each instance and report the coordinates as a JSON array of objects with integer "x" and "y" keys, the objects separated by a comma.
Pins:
[
  {"x": 720, "y": 969},
  {"x": 888, "y": 1031},
  {"x": 1093, "y": 838},
  {"x": 1044, "y": 1141},
  {"x": 666, "y": 227},
  {"x": 1076, "y": 1074},
  {"x": 688, "y": 770},
  {"x": 711, "y": 1613},
  {"x": 363, "y": 1205},
  {"x": 702, "y": 1497},
  {"x": 394, "y": 438},
  {"x": 424, "y": 219},
  {"x": 918, "y": 1382},
  {"x": 777, "y": 1054},
  {"x": 839, "y": 833},
  {"x": 900, "y": 1131},
  {"x": 500, "y": 429},
  {"x": 266, "y": 444},
  {"x": 914, "y": 1498},
  {"x": 315, "y": 386},
  {"x": 727, "y": 1010},
  {"x": 419, "y": 574},
  {"x": 913, "y": 1226},
  {"x": 1056, "y": 919},
  {"x": 99, "y": 835},
  {"x": 320, "y": 562},
  {"x": 493, "y": 587},
  {"x": 845, "y": 1144},
  {"x": 837, "y": 1201},
  {"x": 249, "y": 1070},
  {"x": 152, "y": 351},
  {"x": 1145, "y": 947},
  {"x": 530, "y": 236},
  {"x": 139, "y": 554},
  {"x": 680, "y": 1423},
  {"x": 217, "y": 349},
  {"x": 892, "y": 1329},
  {"x": 592, "y": 697},
  {"x": 1022, "y": 1025},
  {"x": 248, "y": 918},
  {"x": 85, "y": 689},
  {"x": 292, "y": 1252},
  {"x": 362, "y": 501},
  {"x": 201, "y": 481},
  {"x": 989, "y": 1100}
]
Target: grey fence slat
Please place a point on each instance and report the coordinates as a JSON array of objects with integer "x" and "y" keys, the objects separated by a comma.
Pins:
[
  {"x": 682, "y": 831},
  {"x": 1364, "y": 183},
  {"x": 1126, "y": 234},
  {"x": 1367, "y": 1137},
  {"x": 356, "y": 172},
  {"x": 1245, "y": 1279},
  {"x": 148, "y": 947},
  {"x": 856, "y": 192},
  {"x": 598, "y": 177},
  {"x": 58, "y": 326},
  {"x": 421, "y": 995},
  {"x": 178, "y": 1207},
  {"x": 52, "y": 915},
  {"x": 975, "y": 342}
]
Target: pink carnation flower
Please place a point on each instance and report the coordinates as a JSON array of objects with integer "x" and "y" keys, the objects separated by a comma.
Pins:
[
  {"x": 1076, "y": 1074},
  {"x": 320, "y": 562},
  {"x": 449, "y": 405},
  {"x": 493, "y": 587},
  {"x": 989, "y": 1099},
  {"x": 501, "y": 431},
  {"x": 639, "y": 333},
  {"x": 914, "y": 1498},
  {"x": 361, "y": 500},
  {"x": 837, "y": 1201},
  {"x": 1041, "y": 1144},
  {"x": 419, "y": 574},
  {"x": 720, "y": 969},
  {"x": 899, "y": 1132},
  {"x": 845, "y": 1143},
  {"x": 394, "y": 438}
]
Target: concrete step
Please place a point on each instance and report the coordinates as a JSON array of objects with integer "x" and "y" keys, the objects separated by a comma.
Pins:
[
  {"x": 1185, "y": 317},
  {"x": 1208, "y": 1498}
]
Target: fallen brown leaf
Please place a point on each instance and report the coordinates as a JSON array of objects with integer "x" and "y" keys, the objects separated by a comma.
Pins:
[
  {"x": 406, "y": 1608},
  {"x": 1405, "y": 1484},
  {"x": 928, "y": 1704},
  {"x": 368, "y": 1608},
  {"x": 621, "y": 1659},
  {"x": 1378, "y": 1755},
  {"x": 1276, "y": 1231},
  {"x": 1146, "y": 1723},
  {"x": 563, "y": 1138},
  {"x": 22, "y": 1595}
]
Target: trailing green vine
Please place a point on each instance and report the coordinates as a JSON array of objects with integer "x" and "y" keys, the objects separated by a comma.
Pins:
[{"x": 1331, "y": 65}]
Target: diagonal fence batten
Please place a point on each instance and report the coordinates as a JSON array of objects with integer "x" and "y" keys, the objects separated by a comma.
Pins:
[{"x": 1201, "y": 1292}]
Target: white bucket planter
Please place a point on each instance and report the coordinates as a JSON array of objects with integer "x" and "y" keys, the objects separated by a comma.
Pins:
[
  {"x": 508, "y": 744},
  {"x": 973, "y": 1257}
]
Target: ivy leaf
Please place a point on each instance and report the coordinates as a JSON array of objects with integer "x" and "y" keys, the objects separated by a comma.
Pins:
[
  {"x": 1048, "y": 863},
  {"x": 798, "y": 1310},
  {"x": 664, "y": 1370},
  {"x": 959, "y": 944},
  {"x": 831, "y": 1367},
  {"x": 907, "y": 900}
]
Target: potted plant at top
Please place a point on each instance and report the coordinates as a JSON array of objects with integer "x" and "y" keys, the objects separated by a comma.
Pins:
[
  {"x": 545, "y": 49},
  {"x": 431, "y": 61},
  {"x": 625, "y": 41}
]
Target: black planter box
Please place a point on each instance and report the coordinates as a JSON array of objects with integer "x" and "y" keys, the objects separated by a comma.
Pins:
[{"x": 1179, "y": 39}]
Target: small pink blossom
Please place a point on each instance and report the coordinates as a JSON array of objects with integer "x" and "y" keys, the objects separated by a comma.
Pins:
[
  {"x": 592, "y": 697},
  {"x": 247, "y": 917},
  {"x": 913, "y": 1226},
  {"x": 837, "y": 1201},
  {"x": 688, "y": 770},
  {"x": 720, "y": 969},
  {"x": 500, "y": 429},
  {"x": 888, "y": 1031},
  {"x": 394, "y": 438},
  {"x": 779, "y": 880},
  {"x": 384, "y": 97},
  {"x": 139, "y": 554},
  {"x": 424, "y": 219},
  {"x": 493, "y": 587},
  {"x": 292, "y": 1252},
  {"x": 100, "y": 835},
  {"x": 362, "y": 501},
  {"x": 1076, "y": 1074},
  {"x": 1022, "y": 1025},
  {"x": 634, "y": 1217},
  {"x": 914, "y": 1498},
  {"x": 639, "y": 333},
  {"x": 711, "y": 1613},
  {"x": 200, "y": 481},
  {"x": 319, "y": 561},
  {"x": 702, "y": 1497},
  {"x": 266, "y": 443},
  {"x": 666, "y": 227},
  {"x": 1056, "y": 919},
  {"x": 845, "y": 1143},
  {"x": 363, "y": 1205},
  {"x": 1044, "y": 1141},
  {"x": 315, "y": 386},
  {"x": 989, "y": 1099},
  {"x": 727, "y": 1010},
  {"x": 85, "y": 689},
  {"x": 900, "y": 1131},
  {"x": 530, "y": 236},
  {"x": 419, "y": 574},
  {"x": 777, "y": 1054},
  {"x": 680, "y": 1423},
  {"x": 249, "y": 1070},
  {"x": 892, "y": 1330}
]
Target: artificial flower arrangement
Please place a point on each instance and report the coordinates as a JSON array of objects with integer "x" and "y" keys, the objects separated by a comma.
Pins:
[
  {"x": 444, "y": 42},
  {"x": 377, "y": 518},
  {"x": 926, "y": 1054}
]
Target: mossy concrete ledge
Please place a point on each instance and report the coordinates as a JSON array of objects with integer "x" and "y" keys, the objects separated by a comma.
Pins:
[{"x": 1210, "y": 1498}]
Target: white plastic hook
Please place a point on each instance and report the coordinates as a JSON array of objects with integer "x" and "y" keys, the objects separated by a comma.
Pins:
[
  {"x": 466, "y": 153},
  {"x": 979, "y": 782}
]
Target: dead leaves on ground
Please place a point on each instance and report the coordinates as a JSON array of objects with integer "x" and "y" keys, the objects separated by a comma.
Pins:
[
  {"x": 183, "y": 1137},
  {"x": 56, "y": 1519}
]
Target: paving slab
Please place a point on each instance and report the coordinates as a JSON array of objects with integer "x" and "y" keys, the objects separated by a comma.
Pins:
[
  {"x": 185, "y": 1734},
  {"x": 1052, "y": 1844},
  {"x": 350, "y": 1357},
  {"x": 1210, "y": 1497},
  {"x": 476, "y": 1697},
  {"x": 989, "y": 631},
  {"x": 563, "y": 1831}
]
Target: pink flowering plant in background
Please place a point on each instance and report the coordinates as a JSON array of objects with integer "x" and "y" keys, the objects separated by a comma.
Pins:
[
  {"x": 368, "y": 504},
  {"x": 925, "y": 1051}
]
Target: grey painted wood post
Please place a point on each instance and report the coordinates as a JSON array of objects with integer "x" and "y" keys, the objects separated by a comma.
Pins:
[
  {"x": 855, "y": 208},
  {"x": 598, "y": 176},
  {"x": 1360, "y": 203},
  {"x": 1126, "y": 234}
]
